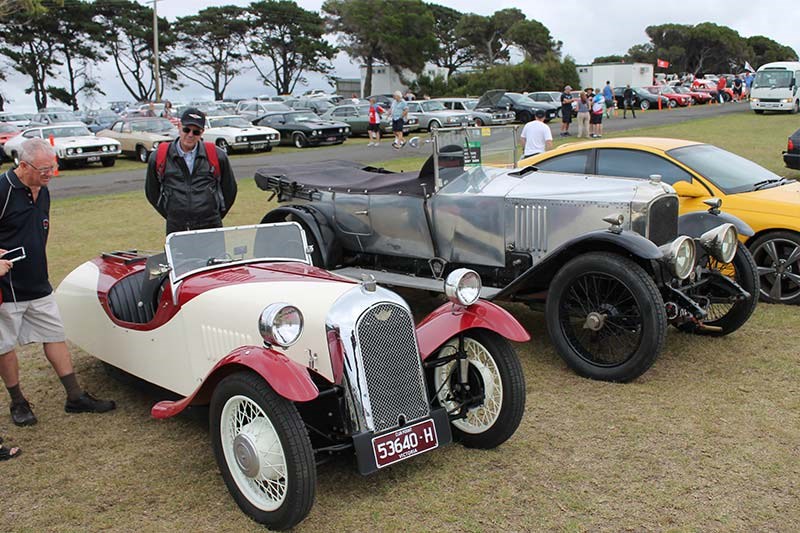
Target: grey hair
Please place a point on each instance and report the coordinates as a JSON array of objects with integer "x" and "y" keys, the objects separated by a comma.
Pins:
[
  {"x": 30, "y": 148},
  {"x": 398, "y": 94}
]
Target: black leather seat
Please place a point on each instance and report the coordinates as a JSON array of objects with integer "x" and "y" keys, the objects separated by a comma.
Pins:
[
  {"x": 135, "y": 298},
  {"x": 124, "y": 298}
]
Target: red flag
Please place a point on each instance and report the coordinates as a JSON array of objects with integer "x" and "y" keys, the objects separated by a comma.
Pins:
[{"x": 660, "y": 63}]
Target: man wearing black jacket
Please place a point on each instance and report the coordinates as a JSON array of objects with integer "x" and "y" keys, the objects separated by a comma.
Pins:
[{"x": 185, "y": 188}]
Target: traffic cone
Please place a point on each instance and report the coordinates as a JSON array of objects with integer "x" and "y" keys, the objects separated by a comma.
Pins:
[{"x": 53, "y": 143}]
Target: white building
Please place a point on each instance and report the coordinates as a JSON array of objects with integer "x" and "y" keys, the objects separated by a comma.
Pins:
[
  {"x": 619, "y": 74},
  {"x": 386, "y": 80}
]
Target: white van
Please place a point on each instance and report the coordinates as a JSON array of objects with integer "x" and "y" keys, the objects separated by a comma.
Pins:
[{"x": 775, "y": 87}]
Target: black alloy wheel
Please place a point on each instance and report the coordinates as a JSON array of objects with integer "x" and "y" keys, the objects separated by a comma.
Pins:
[{"x": 777, "y": 256}]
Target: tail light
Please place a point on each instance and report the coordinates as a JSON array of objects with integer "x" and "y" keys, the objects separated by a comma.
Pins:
[{"x": 790, "y": 146}]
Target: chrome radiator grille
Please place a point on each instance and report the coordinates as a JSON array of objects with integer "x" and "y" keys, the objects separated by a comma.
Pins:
[
  {"x": 530, "y": 227},
  {"x": 392, "y": 366},
  {"x": 662, "y": 223}
]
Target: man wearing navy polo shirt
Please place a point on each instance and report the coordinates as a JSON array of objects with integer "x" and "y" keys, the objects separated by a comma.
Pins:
[{"x": 28, "y": 312}]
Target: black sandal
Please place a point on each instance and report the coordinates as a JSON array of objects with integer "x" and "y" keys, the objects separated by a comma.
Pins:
[{"x": 9, "y": 453}]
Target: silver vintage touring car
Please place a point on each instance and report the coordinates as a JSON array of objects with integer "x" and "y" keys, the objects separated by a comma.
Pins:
[{"x": 609, "y": 258}]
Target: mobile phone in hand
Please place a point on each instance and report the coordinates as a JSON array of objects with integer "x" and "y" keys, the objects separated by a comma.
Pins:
[{"x": 14, "y": 255}]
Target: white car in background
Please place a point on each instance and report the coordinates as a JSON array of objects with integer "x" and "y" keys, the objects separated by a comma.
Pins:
[
  {"x": 233, "y": 132},
  {"x": 20, "y": 120},
  {"x": 73, "y": 142}
]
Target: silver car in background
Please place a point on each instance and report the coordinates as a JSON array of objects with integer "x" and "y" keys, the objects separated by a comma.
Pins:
[
  {"x": 432, "y": 114},
  {"x": 480, "y": 117},
  {"x": 357, "y": 116}
]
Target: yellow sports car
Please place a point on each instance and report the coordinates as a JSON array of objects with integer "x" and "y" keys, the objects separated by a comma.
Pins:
[{"x": 769, "y": 203}]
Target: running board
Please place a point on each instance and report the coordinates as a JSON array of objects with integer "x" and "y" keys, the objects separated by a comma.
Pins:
[{"x": 395, "y": 279}]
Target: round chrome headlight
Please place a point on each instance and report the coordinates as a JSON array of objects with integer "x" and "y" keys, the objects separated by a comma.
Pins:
[
  {"x": 237, "y": 139},
  {"x": 681, "y": 256},
  {"x": 721, "y": 242},
  {"x": 155, "y": 145},
  {"x": 463, "y": 286},
  {"x": 70, "y": 151},
  {"x": 280, "y": 324},
  {"x": 104, "y": 148},
  {"x": 79, "y": 150}
]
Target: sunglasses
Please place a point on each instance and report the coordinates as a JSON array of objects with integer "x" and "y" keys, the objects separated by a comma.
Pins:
[{"x": 196, "y": 133}]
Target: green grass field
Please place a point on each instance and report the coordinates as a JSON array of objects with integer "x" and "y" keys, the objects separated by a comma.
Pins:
[{"x": 707, "y": 440}]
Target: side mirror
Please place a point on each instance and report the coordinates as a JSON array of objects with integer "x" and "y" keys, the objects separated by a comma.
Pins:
[{"x": 690, "y": 190}]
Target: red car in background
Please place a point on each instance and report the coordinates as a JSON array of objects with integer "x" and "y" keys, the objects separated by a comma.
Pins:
[
  {"x": 697, "y": 97},
  {"x": 710, "y": 87},
  {"x": 675, "y": 99},
  {"x": 7, "y": 131}
]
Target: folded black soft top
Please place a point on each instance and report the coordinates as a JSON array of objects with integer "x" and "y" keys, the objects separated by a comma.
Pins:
[{"x": 346, "y": 176}]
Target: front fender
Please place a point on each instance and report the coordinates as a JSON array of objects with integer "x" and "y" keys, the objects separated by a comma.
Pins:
[
  {"x": 450, "y": 319},
  {"x": 698, "y": 222},
  {"x": 595, "y": 241},
  {"x": 287, "y": 378}
]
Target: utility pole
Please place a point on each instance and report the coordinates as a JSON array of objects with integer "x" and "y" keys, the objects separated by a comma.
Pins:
[{"x": 156, "y": 65}]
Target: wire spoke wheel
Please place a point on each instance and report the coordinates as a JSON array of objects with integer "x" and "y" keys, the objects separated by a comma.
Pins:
[
  {"x": 483, "y": 375},
  {"x": 726, "y": 310},
  {"x": 486, "y": 410},
  {"x": 601, "y": 319},
  {"x": 606, "y": 317},
  {"x": 263, "y": 450},
  {"x": 250, "y": 442}
]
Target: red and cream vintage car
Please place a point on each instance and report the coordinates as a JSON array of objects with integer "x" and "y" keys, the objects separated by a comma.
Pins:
[{"x": 294, "y": 361}]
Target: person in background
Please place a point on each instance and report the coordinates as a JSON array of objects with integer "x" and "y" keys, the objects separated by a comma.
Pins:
[
  {"x": 190, "y": 194},
  {"x": 374, "y": 126},
  {"x": 7, "y": 452},
  {"x": 737, "y": 88},
  {"x": 721, "y": 84},
  {"x": 583, "y": 115},
  {"x": 608, "y": 95},
  {"x": 748, "y": 83},
  {"x": 167, "y": 112},
  {"x": 566, "y": 110},
  {"x": 628, "y": 99},
  {"x": 399, "y": 114},
  {"x": 596, "y": 115},
  {"x": 151, "y": 110},
  {"x": 536, "y": 136},
  {"x": 29, "y": 313},
  {"x": 354, "y": 99}
]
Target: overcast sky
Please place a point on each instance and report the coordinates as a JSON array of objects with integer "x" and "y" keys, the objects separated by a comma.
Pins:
[{"x": 585, "y": 31}]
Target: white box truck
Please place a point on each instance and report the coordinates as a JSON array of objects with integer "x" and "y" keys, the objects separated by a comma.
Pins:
[
  {"x": 619, "y": 74},
  {"x": 775, "y": 87}
]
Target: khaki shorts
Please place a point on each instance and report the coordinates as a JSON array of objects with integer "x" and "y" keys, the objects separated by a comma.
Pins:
[{"x": 31, "y": 321}]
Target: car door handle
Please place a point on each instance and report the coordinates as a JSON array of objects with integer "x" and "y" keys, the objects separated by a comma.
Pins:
[{"x": 364, "y": 212}]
